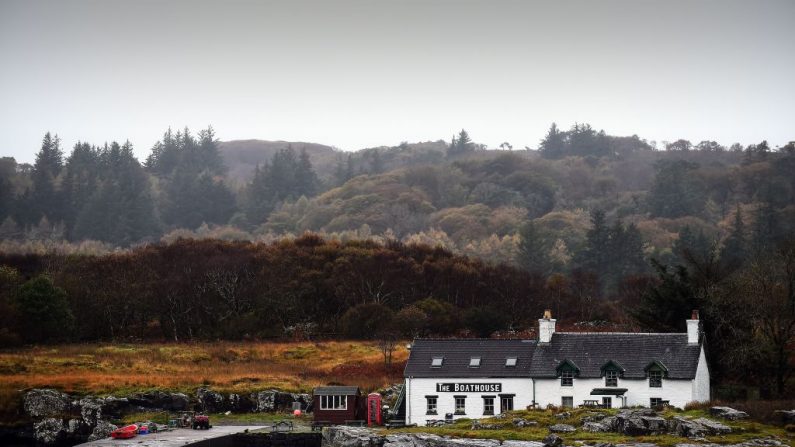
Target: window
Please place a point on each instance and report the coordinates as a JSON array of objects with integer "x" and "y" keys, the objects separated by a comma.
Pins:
[
  {"x": 437, "y": 362},
  {"x": 506, "y": 402},
  {"x": 474, "y": 362},
  {"x": 333, "y": 402},
  {"x": 607, "y": 402},
  {"x": 655, "y": 379},
  {"x": 488, "y": 405},
  {"x": 611, "y": 377},
  {"x": 655, "y": 402},
  {"x": 566, "y": 378},
  {"x": 431, "y": 401},
  {"x": 460, "y": 404},
  {"x": 567, "y": 402},
  {"x": 510, "y": 362}
]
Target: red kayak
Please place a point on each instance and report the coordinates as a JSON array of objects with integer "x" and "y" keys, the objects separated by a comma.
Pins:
[{"x": 126, "y": 432}]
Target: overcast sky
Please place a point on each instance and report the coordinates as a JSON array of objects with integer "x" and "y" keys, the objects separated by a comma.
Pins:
[{"x": 357, "y": 74}]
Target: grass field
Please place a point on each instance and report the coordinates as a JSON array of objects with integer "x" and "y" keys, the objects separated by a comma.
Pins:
[{"x": 120, "y": 369}]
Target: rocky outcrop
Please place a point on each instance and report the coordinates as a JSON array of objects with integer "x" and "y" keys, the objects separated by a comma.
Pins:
[
  {"x": 785, "y": 416},
  {"x": 361, "y": 437},
  {"x": 273, "y": 400},
  {"x": 552, "y": 440},
  {"x": 46, "y": 403},
  {"x": 562, "y": 428},
  {"x": 728, "y": 413},
  {"x": 102, "y": 430},
  {"x": 160, "y": 400},
  {"x": 210, "y": 401}
]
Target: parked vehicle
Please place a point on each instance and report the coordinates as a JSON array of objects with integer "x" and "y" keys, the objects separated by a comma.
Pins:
[{"x": 201, "y": 421}]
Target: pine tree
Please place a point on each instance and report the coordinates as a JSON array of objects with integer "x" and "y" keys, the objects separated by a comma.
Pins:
[
  {"x": 533, "y": 250},
  {"x": 80, "y": 181},
  {"x": 735, "y": 247},
  {"x": 44, "y": 199},
  {"x": 306, "y": 179},
  {"x": 554, "y": 143}
]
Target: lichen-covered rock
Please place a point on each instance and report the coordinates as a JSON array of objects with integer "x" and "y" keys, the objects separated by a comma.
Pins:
[
  {"x": 562, "y": 428},
  {"x": 522, "y": 444},
  {"x": 210, "y": 400},
  {"x": 595, "y": 427},
  {"x": 521, "y": 422},
  {"x": 713, "y": 427},
  {"x": 552, "y": 440},
  {"x": 564, "y": 415},
  {"x": 728, "y": 413},
  {"x": 102, "y": 430},
  {"x": 686, "y": 427},
  {"x": 240, "y": 403},
  {"x": 785, "y": 415},
  {"x": 160, "y": 400},
  {"x": 46, "y": 403},
  {"x": 49, "y": 430},
  {"x": 273, "y": 400}
]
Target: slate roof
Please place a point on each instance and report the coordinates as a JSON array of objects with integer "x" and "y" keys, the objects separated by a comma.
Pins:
[
  {"x": 457, "y": 353},
  {"x": 335, "y": 391},
  {"x": 588, "y": 351},
  {"x": 633, "y": 351}
]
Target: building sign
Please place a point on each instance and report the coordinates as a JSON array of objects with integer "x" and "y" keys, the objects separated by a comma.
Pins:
[{"x": 468, "y": 387}]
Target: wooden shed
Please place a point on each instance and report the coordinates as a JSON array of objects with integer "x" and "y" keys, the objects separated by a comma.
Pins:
[{"x": 338, "y": 404}]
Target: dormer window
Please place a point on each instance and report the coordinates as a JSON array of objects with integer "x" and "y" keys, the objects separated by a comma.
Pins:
[
  {"x": 436, "y": 362},
  {"x": 510, "y": 362},
  {"x": 474, "y": 362},
  {"x": 611, "y": 371},
  {"x": 611, "y": 378}
]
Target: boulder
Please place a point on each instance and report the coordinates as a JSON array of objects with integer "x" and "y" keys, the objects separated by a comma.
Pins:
[
  {"x": 564, "y": 415},
  {"x": 595, "y": 427},
  {"x": 713, "y": 427},
  {"x": 46, "y": 403},
  {"x": 273, "y": 400},
  {"x": 552, "y": 440},
  {"x": 562, "y": 428},
  {"x": 520, "y": 422},
  {"x": 102, "y": 430},
  {"x": 593, "y": 416},
  {"x": 522, "y": 444},
  {"x": 160, "y": 400},
  {"x": 210, "y": 401},
  {"x": 687, "y": 428},
  {"x": 49, "y": 431},
  {"x": 240, "y": 403},
  {"x": 728, "y": 413},
  {"x": 785, "y": 415},
  {"x": 655, "y": 424}
]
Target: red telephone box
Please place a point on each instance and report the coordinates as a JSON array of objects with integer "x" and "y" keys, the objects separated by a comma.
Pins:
[{"x": 374, "y": 409}]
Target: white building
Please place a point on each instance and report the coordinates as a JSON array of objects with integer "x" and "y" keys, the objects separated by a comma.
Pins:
[{"x": 476, "y": 378}]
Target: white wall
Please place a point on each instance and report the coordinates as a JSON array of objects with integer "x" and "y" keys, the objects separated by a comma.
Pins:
[
  {"x": 418, "y": 388},
  {"x": 677, "y": 392},
  {"x": 701, "y": 384}
]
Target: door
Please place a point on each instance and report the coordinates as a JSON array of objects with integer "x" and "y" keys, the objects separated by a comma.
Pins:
[{"x": 607, "y": 402}]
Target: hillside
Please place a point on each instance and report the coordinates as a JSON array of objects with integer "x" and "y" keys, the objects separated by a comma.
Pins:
[{"x": 242, "y": 156}]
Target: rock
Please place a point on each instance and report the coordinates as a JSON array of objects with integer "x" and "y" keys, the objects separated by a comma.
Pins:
[
  {"x": 101, "y": 431},
  {"x": 49, "y": 431},
  {"x": 655, "y": 424},
  {"x": 593, "y": 417},
  {"x": 611, "y": 422},
  {"x": 687, "y": 428},
  {"x": 564, "y": 415},
  {"x": 210, "y": 401},
  {"x": 160, "y": 400},
  {"x": 728, "y": 413},
  {"x": 595, "y": 427},
  {"x": 785, "y": 415},
  {"x": 240, "y": 403},
  {"x": 713, "y": 427},
  {"x": 552, "y": 440},
  {"x": 520, "y": 422},
  {"x": 562, "y": 428},
  {"x": 46, "y": 403},
  {"x": 476, "y": 425},
  {"x": 522, "y": 444}
]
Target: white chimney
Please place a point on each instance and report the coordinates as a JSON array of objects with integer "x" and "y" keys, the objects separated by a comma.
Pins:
[
  {"x": 546, "y": 327},
  {"x": 693, "y": 330}
]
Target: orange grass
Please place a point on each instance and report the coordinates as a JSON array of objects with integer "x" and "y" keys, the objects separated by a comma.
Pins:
[{"x": 225, "y": 366}]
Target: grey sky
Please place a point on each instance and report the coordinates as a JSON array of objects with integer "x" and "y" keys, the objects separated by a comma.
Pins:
[{"x": 357, "y": 74}]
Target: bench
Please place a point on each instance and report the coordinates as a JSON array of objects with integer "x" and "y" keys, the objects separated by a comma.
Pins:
[{"x": 282, "y": 426}]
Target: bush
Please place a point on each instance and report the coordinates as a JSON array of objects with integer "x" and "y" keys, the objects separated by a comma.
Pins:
[
  {"x": 367, "y": 321},
  {"x": 44, "y": 311}
]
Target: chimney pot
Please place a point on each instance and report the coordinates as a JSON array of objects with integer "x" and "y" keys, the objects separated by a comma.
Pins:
[
  {"x": 694, "y": 316},
  {"x": 547, "y": 314}
]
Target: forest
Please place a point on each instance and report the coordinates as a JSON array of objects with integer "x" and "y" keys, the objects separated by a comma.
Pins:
[{"x": 209, "y": 240}]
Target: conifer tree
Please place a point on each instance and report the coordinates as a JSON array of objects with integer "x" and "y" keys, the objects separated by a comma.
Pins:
[{"x": 44, "y": 199}]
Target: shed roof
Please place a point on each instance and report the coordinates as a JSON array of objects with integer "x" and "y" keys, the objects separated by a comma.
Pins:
[
  {"x": 633, "y": 351},
  {"x": 457, "y": 353},
  {"x": 336, "y": 391}
]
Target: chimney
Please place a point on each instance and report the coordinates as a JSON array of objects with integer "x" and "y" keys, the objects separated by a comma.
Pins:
[
  {"x": 693, "y": 330},
  {"x": 546, "y": 327}
]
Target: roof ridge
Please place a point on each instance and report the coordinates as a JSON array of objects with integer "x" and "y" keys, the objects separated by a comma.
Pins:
[{"x": 621, "y": 333}]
